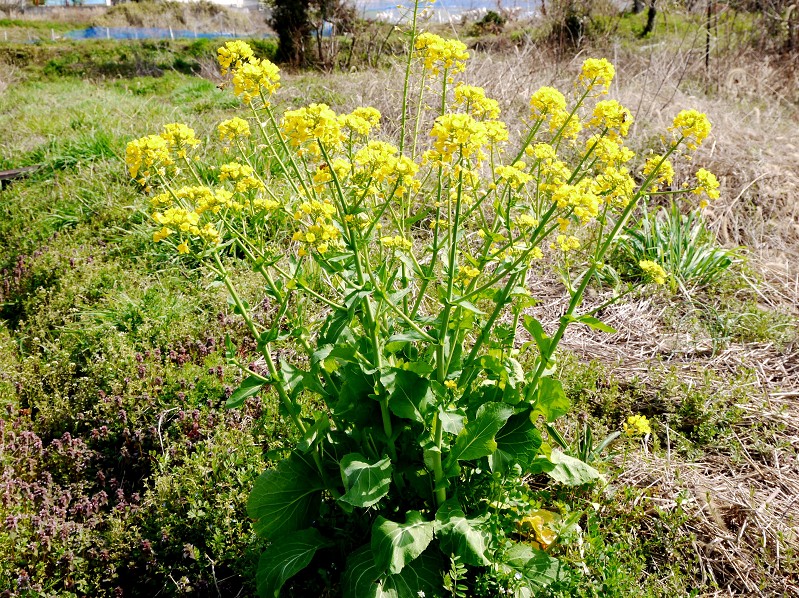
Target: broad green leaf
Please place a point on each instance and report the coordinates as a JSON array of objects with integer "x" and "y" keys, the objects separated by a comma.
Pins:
[
  {"x": 409, "y": 395},
  {"x": 596, "y": 324},
  {"x": 250, "y": 386},
  {"x": 517, "y": 442},
  {"x": 541, "y": 338},
  {"x": 461, "y": 536},
  {"x": 570, "y": 471},
  {"x": 467, "y": 305},
  {"x": 477, "y": 437},
  {"x": 538, "y": 569},
  {"x": 552, "y": 401},
  {"x": 285, "y": 557},
  {"x": 394, "y": 545},
  {"x": 451, "y": 421},
  {"x": 286, "y": 498},
  {"x": 363, "y": 579},
  {"x": 354, "y": 405},
  {"x": 366, "y": 483}
]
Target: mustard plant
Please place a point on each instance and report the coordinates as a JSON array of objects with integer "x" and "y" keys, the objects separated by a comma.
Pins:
[{"x": 420, "y": 256}]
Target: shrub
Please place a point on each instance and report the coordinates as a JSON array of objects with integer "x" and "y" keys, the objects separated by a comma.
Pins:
[{"x": 397, "y": 279}]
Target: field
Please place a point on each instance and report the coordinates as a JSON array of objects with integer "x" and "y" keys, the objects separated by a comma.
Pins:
[{"x": 124, "y": 474}]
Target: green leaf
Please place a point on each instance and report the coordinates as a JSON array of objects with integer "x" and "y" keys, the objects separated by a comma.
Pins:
[
  {"x": 552, "y": 401},
  {"x": 461, "y": 536},
  {"x": 596, "y": 324},
  {"x": 538, "y": 569},
  {"x": 314, "y": 434},
  {"x": 366, "y": 483},
  {"x": 410, "y": 396},
  {"x": 363, "y": 579},
  {"x": 285, "y": 557},
  {"x": 477, "y": 437},
  {"x": 354, "y": 405},
  {"x": 394, "y": 545},
  {"x": 571, "y": 471},
  {"x": 517, "y": 442},
  {"x": 452, "y": 421},
  {"x": 250, "y": 386},
  {"x": 541, "y": 338},
  {"x": 286, "y": 498},
  {"x": 468, "y": 306}
]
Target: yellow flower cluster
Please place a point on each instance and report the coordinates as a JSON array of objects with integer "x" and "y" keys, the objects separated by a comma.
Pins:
[
  {"x": 180, "y": 138},
  {"x": 514, "y": 175},
  {"x": 321, "y": 234},
  {"x": 613, "y": 117},
  {"x": 580, "y": 197},
  {"x": 653, "y": 271},
  {"x": 547, "y": 101},
  {"x": 708, "y": 184},
  {"x": 608, "y": 151},
  {"x": 566, "y": 243},
  {"x": 324, "y": 174},
  {"x": 233, "y": 128},
  {"x": 233, "y": 54},
  {"x": 665, "y": 173},
  {"x": 474, "y": 101},
  {"x": 316, "y": 123},
  {"x": 457, "y": 135},
  {"x": 380, "y": 162},
  {"x": 361, "y": 121},
  {"x": 615, "y": 185},
  {"x": 692, "y": 125},
  {"x": 396, "y": 242},
  {"x": 467, "y": 273},
  {"x": 254, "y": 77},
  {"x": 637, "y": 425},
  {"x": 146, "y": 155},
  {"x": 242, "y": 175},
  {"x": 251, "y": 76},
  {"x": 526, "y": 221},
  {"x": 597, "y": 71},
  {"x": 439, "y": 53}
]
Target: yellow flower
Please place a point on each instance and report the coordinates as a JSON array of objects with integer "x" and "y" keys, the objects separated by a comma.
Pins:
[
  {"x": 233, "y": 128},
  {"x": 467, "y": 273},
  {"x": 694, "y": 126},
  {"x": 707, "y": 183},
  {"x": 183, "y": 247},
  {"x": 145, "y": 154},
  {"x": 438, "y": 53},
  {"x": 457, "y": 134},
  {"x": 474, "y": 100},
  {"x": 180, "y": 137},
  {"x": 315, "y": 123},
  {"x": 526, "y": 221},
  {"x": 637, "y": 425},
  {"x": 665, "y": 173},
  {"x": 361, "y": 121},
  {"x": 451, "y": 384},
  {"x": 252, "y": 78},
  {"x": 162, "y": 234},
  {"x": 566, "y": 243},
  {"x": 653, "y": 271},
  {"x": 513, "y": 175},
  {"x": 614, "y": 117},
  {"x": 233, "y": 54},
  {"x": 568, "y": 124},
  {"x": 597, "y": 71},
  {"x": 397, "y": 241},
  {"x": 608, "y": 151},
  {"x": 615, "y": 185},
  {"x": 545, "y": 101}
]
